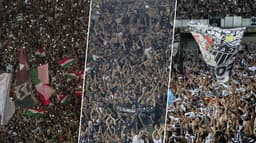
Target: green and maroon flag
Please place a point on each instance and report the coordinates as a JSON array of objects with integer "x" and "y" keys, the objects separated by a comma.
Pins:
[{"x": 66, "y": 62}]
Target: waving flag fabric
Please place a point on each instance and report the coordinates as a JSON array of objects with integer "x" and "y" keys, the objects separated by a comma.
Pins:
[
  {"x": 40, "y": 74},
  {"x": 40, "y": 78},
  {"x": 66, "y": 62},
  {"x": 22, "y": 60},
  {"x": 34, "y": 112},
  {"x": 7, "y": 107},
  {"x": 218, "y": 47}
]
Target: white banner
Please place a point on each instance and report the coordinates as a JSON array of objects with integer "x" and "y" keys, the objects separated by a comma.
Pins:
[
  {"x": 218, "y": 47},
  {"x": 7, "y": 107}
]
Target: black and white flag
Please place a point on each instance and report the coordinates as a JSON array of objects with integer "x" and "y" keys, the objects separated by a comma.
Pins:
[{"x": 218, "y": 47}]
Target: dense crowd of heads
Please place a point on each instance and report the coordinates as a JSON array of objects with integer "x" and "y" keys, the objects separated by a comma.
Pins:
[
  {"x": 205, "y": 111},
  {"x": 127, "y": 64},
  {"x": 58, "y": 27},
  {"x": 204, "y": 9}
]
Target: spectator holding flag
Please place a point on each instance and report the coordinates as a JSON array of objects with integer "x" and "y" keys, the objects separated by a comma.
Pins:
[
  {"x": 42, "y": 45},
  {"x": 206, "y": 111}
]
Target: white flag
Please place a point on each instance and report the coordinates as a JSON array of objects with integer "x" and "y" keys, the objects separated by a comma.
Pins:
[{"x": 7, "y": 107}]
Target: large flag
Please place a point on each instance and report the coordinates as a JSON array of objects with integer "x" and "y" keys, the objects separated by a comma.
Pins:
[
  {"x": 24, "y": 97},
  {"x": 7, "y": 107},
  {"x": 40, "y": 74},
  {"x": 43, "y": 73},
  {"x": 27, "y": 101},
  {"x": 22, "y": 60},
  {"x": 40, "y": 78},
  {"x": 44, "y": 92},
  {"x": 22, "y": 76},
  {"x": 218, "y": 47}
]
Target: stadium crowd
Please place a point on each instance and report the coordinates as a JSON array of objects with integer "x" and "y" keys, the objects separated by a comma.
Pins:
[
  {"x": 57, "y": 28},
  {"x": 207, "y": 112},
  {"x": 204, "y": 9},
  {"x": 126, "y": 73}
]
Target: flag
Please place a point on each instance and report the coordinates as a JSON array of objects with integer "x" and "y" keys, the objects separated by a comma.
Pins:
[
  {"x": 34, "y": 112},
  {"x": 45, "y": 92},
  {"x": 40, "y": 74},
  {"x": 22, "y": 60},
  {"x": 40, "y": 78},
  {"x": 71, "y": 75},
  {"x": 24, "y": 98},
  {"x": 22, "y": 77},
  {"x": 34, "y": 76},
  {"x": 171, "y": 98},
  {"x": 66, "y": 62},
  {"x": 65, "y": 99},
  {"x": 218, "y": 47},
  {"x": 44, "y": 101},
  {"x": 43, "y": 73},
  {"x": 74, "y": 74},
  {"x": 22, "y": 88},
  {"x": 26, "y": 102},
  {"x": 22, "y": 91},
  {"x": 78, "y": 93},
  {"x": 7, "y": 107},
  {"x": 40, "y": 52}
]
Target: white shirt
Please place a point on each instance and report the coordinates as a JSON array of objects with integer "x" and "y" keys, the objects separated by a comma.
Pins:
[
  {"x": 137, "y": 139},
  {"x": 157, "y": 141}
]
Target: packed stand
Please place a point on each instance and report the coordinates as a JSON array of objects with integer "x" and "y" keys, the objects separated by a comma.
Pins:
[
  {"x": 127, "y": 68},
  {"x": 204, "y": 9},
  {"x": 48, "y": 31},
  {"x": 207, "y": 112}
]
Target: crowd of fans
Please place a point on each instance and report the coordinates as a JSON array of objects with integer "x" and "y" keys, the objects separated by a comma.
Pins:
[
  {"x": 204, "y": 9},
  {"x": 126, "y": 74},
  {"x": 58, "y": 27},
  {"x": 207, "y": 112}
]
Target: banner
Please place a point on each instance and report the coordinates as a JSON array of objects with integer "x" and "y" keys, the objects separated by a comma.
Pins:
[
  {"x": 7, "y": 107},
  {"x": 125, "y": 109},
  {"x": 218, "y": 47}
]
